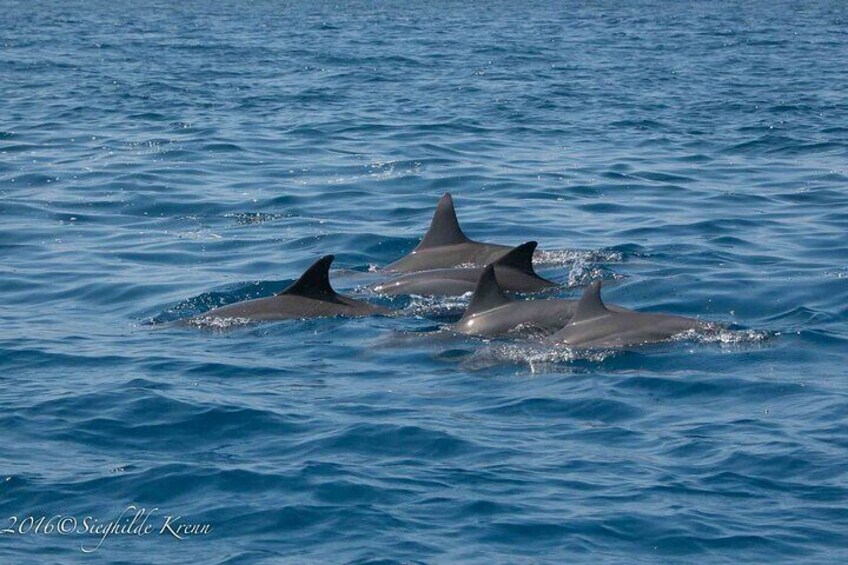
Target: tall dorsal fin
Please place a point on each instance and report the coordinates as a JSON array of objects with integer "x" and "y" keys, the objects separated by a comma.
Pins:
[
  {"x": 315, "y": 282},
  {"x": 520, "y": 258},
  {"x": 590, "y": 305},
  {"x": 488, "y": 293},
  {"x": 444, "y": 228}
]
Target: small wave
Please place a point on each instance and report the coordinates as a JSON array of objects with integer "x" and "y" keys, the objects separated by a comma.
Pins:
[
  {"x": 217, "y": 323},
  {"x": 437, "y": 305},
  {"x": 215, "y": 299},
  {"x": 547, "y": 357},
  {"x": 149, "y": 146},
  {"x": 221, "y": 148},
  {"x": 716, "y": 334},
  {"x": 250, "y": 218},
  {"x": 582, "y": 273},
  {"x": 538, "y": 357},
  {"x": 198, "y": 235},
  {"x": 191, "y": 306},
  {"x": 565, "y": 257}
]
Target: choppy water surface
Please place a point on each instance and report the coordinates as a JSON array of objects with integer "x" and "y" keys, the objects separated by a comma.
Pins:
[{"x": 157, "y": 160}]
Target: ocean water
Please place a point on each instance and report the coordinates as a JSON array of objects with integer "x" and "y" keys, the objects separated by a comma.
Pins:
[{"x": 161, "y": 158}]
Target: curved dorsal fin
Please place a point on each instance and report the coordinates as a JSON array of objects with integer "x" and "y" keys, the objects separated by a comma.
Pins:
[
  {"x": 590, "y": 305},
  {"x": 444, "y": 228},
  {"x": 315, "y": 282},
  {"x": 488, "y": 293},
  {"x": 520, "y": 258}
]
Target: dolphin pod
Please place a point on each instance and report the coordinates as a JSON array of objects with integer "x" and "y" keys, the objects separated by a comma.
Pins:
[{"x": 447, "y": 262}]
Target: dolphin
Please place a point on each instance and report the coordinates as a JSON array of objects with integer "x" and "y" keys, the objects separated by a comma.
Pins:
[
  {"x": 445, "y": 245},
  {"x": 491, "y": 312},
  {"x": 595, "y": 325},
  {"x": 310, "y": 296},
  {"x": 514, "y": 273}
]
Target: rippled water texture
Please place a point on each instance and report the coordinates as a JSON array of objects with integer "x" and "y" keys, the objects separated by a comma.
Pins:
[{"x": 161, "y": 158}]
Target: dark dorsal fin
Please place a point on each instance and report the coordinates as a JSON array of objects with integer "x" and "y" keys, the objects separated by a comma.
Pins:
[
  {"x": 444, "y": 228},
  {"x": 520, "y": 258},
  {"x": 590, "y": 305},
  {"x": 488, "y": 293},
  {"x": 315, "y": 282}
]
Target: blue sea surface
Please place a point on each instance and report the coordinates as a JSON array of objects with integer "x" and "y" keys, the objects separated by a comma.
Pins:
[{"x": 158, "y": 159}]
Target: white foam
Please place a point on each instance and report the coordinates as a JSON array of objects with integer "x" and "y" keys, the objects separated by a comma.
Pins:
[
  {"x": 538, "y": 357},
  {"x": 716, "y": 334},
  {"x": 563, "y": 257},
  {"x": 424, "y": 305},
  {"x": 219, "y": 323}
]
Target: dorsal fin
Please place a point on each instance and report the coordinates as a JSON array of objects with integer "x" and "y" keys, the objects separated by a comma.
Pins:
[
  {"x": 315, "y": 282},
  {"x": 590, "y": 305},
  {"x": 444, "y": 228},
  {"x": 520, "y": 258},
  {"x": 488, "y": 293}
]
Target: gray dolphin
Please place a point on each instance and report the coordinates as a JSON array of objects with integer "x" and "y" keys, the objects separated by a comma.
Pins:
[
  {"x": 310, "y": 296},
  {"x": 514, "y": 274},
  {"x": 595, "y": 325},
  {"x": 491, "y": 312},
  {"x": 444, "y": 245}
]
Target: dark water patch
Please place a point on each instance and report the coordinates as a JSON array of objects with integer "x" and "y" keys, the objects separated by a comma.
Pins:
[
  {"x": 394, "y": 441},
  {"x": 605, "y": 410},
  {"x": 216, "y": 299},
  {"x": 221, "y": 148}
]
